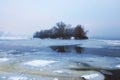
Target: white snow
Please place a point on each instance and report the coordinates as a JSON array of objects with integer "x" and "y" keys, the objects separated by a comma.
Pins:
[
  {"x": 59, "y": 71},
  {"x": 3, "y": 59},
  {"x": 12, "y": 38},
  {"x": 55, "y": 79},
  {"x": 112, "y": 42},
  {"x": 94, "y": 76},
  {"x": 17, "y": 78},
  {"x": 37, "y": 63},
  {"x": 118, "y": 66}
]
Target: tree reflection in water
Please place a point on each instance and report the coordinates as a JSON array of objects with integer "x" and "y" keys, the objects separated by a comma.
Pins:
[{"x": 67, "y": 48}]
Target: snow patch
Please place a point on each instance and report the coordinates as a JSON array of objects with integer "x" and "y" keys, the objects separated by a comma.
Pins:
[
  {"x": 17, "y": 78},
  {"x": 12, "y": 38},
  {"x": 55, "y": 79},
  {"x": 59, "y": 71},
  {"x": 95, "y": 76},
  {"x": 38, "y": 63},
  {"x": 118, "y": 66},
  {"x": 3, "y": 59},
  {"x": 112, "y": 42}
]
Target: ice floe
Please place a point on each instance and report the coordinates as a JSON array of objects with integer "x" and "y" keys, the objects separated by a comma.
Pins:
[
  {"x": 37, "y": 63},
  {"x": 118, "y": 66},
  {"x": 94, "y": 76},
  {"x": 18, "y": 78},
  {"x": 3, "y": 59}
]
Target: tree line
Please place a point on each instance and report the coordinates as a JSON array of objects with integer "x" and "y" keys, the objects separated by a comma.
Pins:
[{"x": 62, "y": 31}]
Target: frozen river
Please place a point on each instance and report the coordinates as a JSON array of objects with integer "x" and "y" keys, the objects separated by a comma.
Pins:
[{"x": 47, "y": 59}]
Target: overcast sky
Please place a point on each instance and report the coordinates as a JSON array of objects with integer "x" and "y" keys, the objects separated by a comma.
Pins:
[{"x": 100, "y": 17}]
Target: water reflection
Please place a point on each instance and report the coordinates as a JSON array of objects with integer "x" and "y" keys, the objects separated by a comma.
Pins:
[
  {"x": 114, "y": 75},
  {"x": 78, "y": 49},
  {"x": 67, "y": 48}
]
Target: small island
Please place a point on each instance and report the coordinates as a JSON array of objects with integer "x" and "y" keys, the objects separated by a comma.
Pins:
[{"x": 62, "y": 31}]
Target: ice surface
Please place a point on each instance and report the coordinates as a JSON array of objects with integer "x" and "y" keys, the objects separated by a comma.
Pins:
[
  {"x": 98, "y": 62},
  {"x": 118, "y": 66},
  {"x": 12, "y": 38},
  {"x": 52, "y": 42},
  {"x": 37, "y": 63},
  {"x": 40, "y": 55},
  {"x": 112, "y": 42},
  {"x": 95, "y": 76},
  {"x": 3, "y": 59},
  {"x": 18, "y": 78}
]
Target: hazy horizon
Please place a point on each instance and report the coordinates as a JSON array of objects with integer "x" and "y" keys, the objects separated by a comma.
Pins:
[{"x": 25, "y": 17}]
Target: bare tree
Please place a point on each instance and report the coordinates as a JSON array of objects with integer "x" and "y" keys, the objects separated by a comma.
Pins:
[
  {"x": 63, "y": 31},
  {"x": 80, "y": 33}
]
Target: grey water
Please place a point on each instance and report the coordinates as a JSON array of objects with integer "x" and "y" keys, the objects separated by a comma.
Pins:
[{"x": 47, "y": 59}]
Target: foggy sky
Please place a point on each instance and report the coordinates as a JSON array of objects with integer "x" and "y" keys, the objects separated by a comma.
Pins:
[{"x": 100, "y": 17}]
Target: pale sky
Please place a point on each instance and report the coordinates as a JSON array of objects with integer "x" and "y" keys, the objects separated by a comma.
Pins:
[{"x": 100, "y": 17}]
